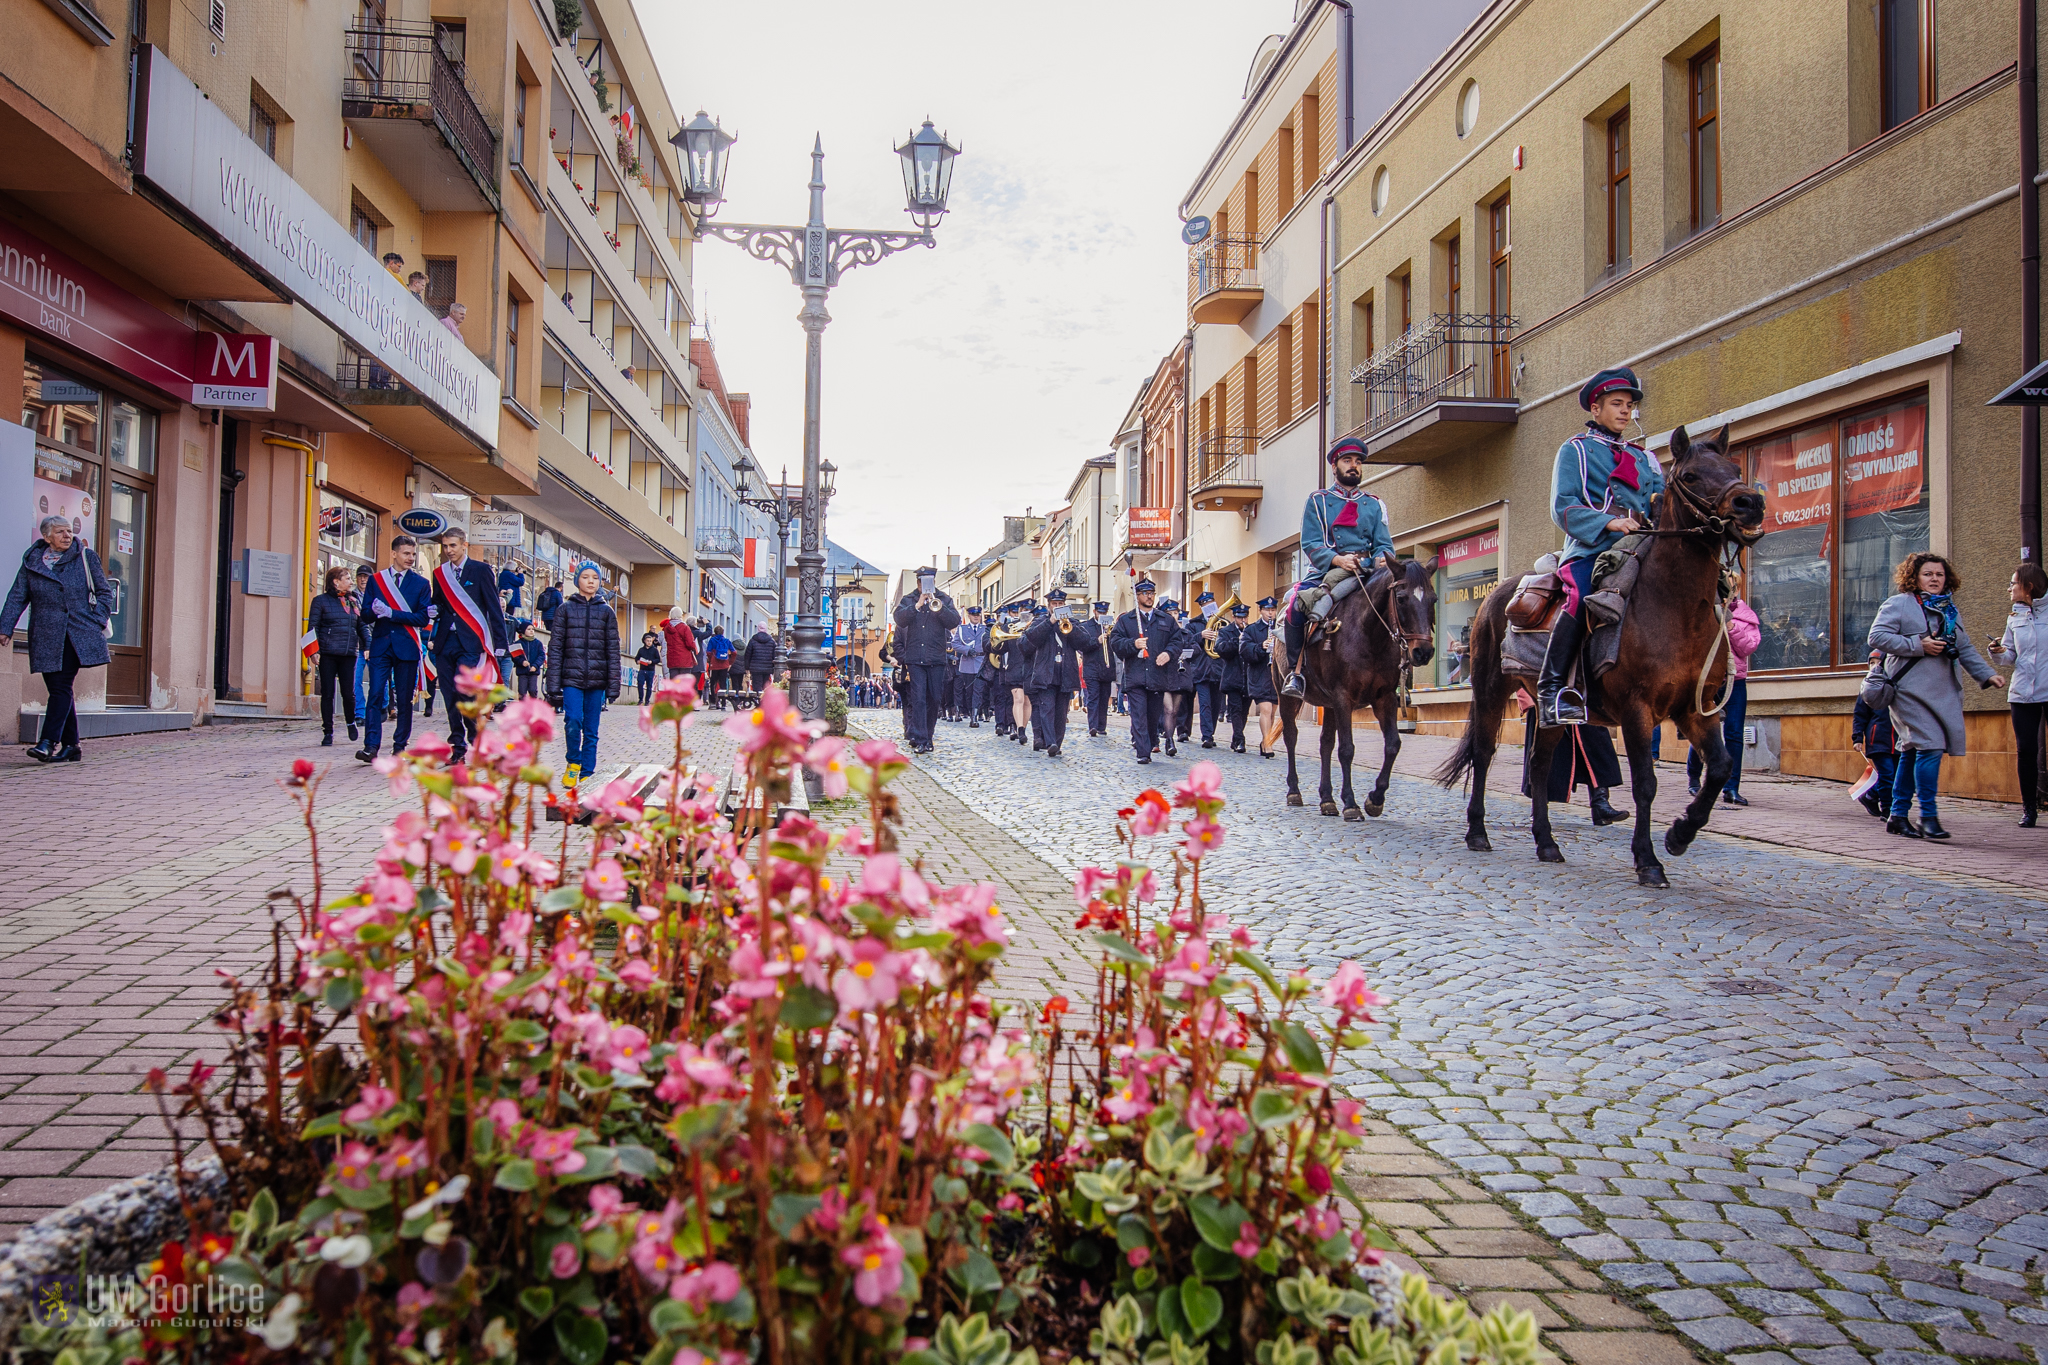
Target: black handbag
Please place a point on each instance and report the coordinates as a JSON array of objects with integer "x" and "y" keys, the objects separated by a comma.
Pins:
[{"x": 1880, "y": 689}]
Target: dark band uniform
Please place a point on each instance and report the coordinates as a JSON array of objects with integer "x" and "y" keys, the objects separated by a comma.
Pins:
[
  {"x": 921, "y": 638},
  {"x": 1154, "y": 632},
  {"x": 1230, "y": 645},
  {"x": 1098, "y": 671},
  {"x": 1055, "y": 676},
  {"x": 1204, "y": 672}
]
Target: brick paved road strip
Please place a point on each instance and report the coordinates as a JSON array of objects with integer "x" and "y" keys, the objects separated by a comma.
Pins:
[{"x": 1868, "y": 1144}]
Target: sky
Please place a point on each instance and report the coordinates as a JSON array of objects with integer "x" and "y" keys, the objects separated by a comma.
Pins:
[{"x": 970, "y": 381}]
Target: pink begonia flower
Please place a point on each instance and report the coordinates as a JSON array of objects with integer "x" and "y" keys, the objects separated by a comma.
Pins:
[
  {"x": 1204, "y": 836},
  {"x": 753, "y": 975},
  {"x": 530, "y": 717},
  {"x": 413, "y": 1298},
  {"x": 352, "y": 1167},
  {"x": 877, "y": 1262},
  {"x": 1149, "y": 814},
  {"x": 430, "y": 745},
  {"x": 773, "y": 724},
  {"x": 375, "y": 1101},
  {"x": 1323, "y": 1223},
  {"x": 823, "y": 758},
  {"x": 402, "y": 1159},
  {"x": 637, "y": 975},
  {"x": 557, "y": 1151},
  {"x": 1247, "y": 1243},
  {"x": 617, "y": 801},
  {"x": 872, "y": 976},
  {"x": 505, "y": 1119},
  {"x": 1347, "y": 993},
  {"x": 564, "y": 1261},
  {"x": 605, "y": 1200},
  {"x": 624, "y": 1050},
  {"x": 831, "y": 1210},
  {"x": 1192, "y": 966},
  {"x": 571, "y": 958},
  {"x": 1350, "y": 1116},
  {"x": 876, "y": 753},
  {"x": 515, "y": 930},
  {"x": 679, "y": 691},
  {"x": 473, "y": 680},
  {"x": 655, "y": 1257},
  {"x": 1088, "y": 881},
  {"x": 1010, "y": 1203},
  {"x": 1132, "y": 1101},
  {"x": 1204, "y": 782},
  {"x": 457, "y": 846},
  {"x": 1214, "y": 1126},
  {"x": 886, "y": 875},
  {"x": 716, "y": 1282},
  {"x": 971, "y": 912},
  {"x": 605, "y": 882},
  {"x": 1137, "y": 1256},
  {"x": 381, "y": 988},
  {"x": 691, "y": 1071},
  {"x": 1317, "y": 1177},
  {"x": 396, "y": 772}
]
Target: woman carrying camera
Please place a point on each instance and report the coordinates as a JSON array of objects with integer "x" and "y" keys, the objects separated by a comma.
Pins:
[
  {"x": 2024, "y": 648},
  {"x": 1921, "y": 632}
]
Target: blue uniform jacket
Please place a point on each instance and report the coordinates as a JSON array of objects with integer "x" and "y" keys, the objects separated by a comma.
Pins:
[
  {"x": 389, "y": 638},
  {"x": 451, "y": 634},
  {"x": 1092, "y": 637},
  {"x": 1055, "y": 658},
  {"x": 1324, "y": 540},
  {"x": 1157, "y": 633},
  {"x": 1585, "y": 495},
  {"x": 968, "y": 644}
]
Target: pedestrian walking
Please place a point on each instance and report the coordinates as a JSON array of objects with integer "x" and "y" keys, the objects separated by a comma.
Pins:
[
  {"x": 529, "y": 660},
  {"x": 469, "y": 630},
  {"x": 760, "y": 660},
  {"x": 1745, "y": 633},
  {"x": 645, "y": 662},
  {"x": 397, "y": 610},
  {"x": 335, "y": 619},
  {"x": 1922, "y": 632},
  {"x": 1871, "y": 732},
  {"x": 679, "y": 643},
  {"x": 69, "y": 602},
  {"x": 583, "y": 669},
  {"x": 925, "y": 618},
  {"x": 718, "y": 658},
  {"x": 2024, "y": 649}
]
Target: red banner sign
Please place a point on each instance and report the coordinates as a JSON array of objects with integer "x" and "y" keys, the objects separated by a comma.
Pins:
[
  {"x": 1471, "y": 547},
  {"x": 1151, "y": 528},
  {"x": 1797, "y": 476},
  {"x": 44, "y": 289},
  {"x": 1884, "y": 460}
]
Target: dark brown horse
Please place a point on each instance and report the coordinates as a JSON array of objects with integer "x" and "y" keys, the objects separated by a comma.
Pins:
[
  {"x": 1388, "y": 622},
  {"x": 1672, "y": 663}
]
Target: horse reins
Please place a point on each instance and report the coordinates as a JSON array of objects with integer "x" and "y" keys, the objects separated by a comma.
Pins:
[{"x": 1728, "y": 531}]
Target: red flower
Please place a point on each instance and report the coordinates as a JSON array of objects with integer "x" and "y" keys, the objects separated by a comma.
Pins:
[
  {"x": 1053, "y": 1008},
  {"x": 302, "y": 769}
]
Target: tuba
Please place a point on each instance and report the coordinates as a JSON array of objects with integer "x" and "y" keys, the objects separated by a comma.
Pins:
[
  {"x": 998, "y": 636},
  {"x": 1221, "y": 612}
]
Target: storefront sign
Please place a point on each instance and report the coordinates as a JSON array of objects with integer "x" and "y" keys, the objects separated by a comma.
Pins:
[
  {"x": 423, "y": 522},
  {"x": 1151, "y": 528},
  {"x": 190, "y": 150},
  {"x": 1471, "y": 547},
  {"x": 44, "y": 289},
  {"x": 235, "y": 371},
  {"x": 497, "y": 528},
  {"x": 1796, "y": 475},
  {"x": 1884, "y": 461}
]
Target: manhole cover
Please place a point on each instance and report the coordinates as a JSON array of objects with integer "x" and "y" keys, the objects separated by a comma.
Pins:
[{"x": 1745, "y": 986}]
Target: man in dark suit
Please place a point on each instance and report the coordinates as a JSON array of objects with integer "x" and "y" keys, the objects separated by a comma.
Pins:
[
  {"x": 924, "y": 619},
  {"x": 469, "y": 626},
  {"x": 396, "y": 606},
  {"x": 1097, "y": 671},
  {"x": 1055, "y": 671},
  {"x": 1142, "y": 639}
]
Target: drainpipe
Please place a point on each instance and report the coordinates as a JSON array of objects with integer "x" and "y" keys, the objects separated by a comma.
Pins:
[
  {"x": 1187, "y": 365},
  {"x": 2030, "y": 281}
]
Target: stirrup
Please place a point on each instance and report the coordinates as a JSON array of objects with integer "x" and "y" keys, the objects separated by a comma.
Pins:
[
  {"x": 1566, "y": 708},
  {"x": 1294, "y": 685}
]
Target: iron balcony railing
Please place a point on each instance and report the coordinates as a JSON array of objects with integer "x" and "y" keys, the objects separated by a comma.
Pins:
[
  {"x": 1462, "y": 355},
  {"x": 1225, "y": 457},
  {"x": 1222, "y": 263},
  {"x": 404, "y": 64},
  {"x": 764, "y": 582},
  {"x": 360, "y": 372},
  {"x": 717, "y": 540}
]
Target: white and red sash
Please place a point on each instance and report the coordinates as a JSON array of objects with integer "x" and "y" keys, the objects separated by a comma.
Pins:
[
  {"x": 386, "y": 583},
  {"x": 467, "y": 612}
]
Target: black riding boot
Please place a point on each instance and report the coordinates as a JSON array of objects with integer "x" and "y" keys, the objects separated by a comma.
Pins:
[
  {"x": 1604, "y": 812},
  {"x": 1296, "y": 633},
  {"x": 1551, "y": 709}
]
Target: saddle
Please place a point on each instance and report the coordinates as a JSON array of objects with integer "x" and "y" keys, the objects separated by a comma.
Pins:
[{"x": 1541, "y": 596}]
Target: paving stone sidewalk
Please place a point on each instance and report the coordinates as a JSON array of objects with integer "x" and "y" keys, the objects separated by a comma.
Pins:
[{"x": 1797, "y": 1101}]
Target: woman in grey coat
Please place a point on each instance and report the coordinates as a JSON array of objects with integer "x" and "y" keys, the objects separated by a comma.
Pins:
[
  {"x": 1922, "y": 635},
  {"x": 68, "y": 600}
]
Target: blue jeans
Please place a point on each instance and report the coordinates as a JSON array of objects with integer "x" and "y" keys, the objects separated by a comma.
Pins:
[
  {"x": 1731, "y": 735},
  {"x": 362, "y": 672},
  {"x": 1887, "y": 766},
  {"x": 393, "y": 678},
  {"x": 1919, "y": 770},
  {"x": 581, "y": 707}
]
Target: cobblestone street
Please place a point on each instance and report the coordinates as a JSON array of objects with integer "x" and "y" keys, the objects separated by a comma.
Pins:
[{"x": 1846, "y": 1164}]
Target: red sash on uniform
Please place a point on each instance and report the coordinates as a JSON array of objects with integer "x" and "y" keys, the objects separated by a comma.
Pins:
[
  {"x": 469, "y": 614},
  {"x": 386, "y": 585}
]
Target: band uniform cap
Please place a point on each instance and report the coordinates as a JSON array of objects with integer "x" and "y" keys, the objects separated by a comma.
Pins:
[
  {"x": 1265, "y": 602},
  {"x": 1038, "y": 611},
  {"x": 1056, "y": 595},
  {"x": 1102, "y": 606},
  {"x": 1168, "y": 603},
  {"x": 1240, "y": 610},
  {"x": 1206, "y": 597},
  {"x": 1145, "y": 585},
  {"x": 1619, "y": 379},
  {"x": 974, "y": 611},
  {"x": 1348, "y": 445}
]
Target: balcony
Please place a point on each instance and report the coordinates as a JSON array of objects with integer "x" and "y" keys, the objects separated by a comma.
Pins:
[
  {"x": 1223, "y": 280},
  {"x": 1441, "y": 386},
  {"x": 718, "y": 547},
  {"x": 761, "y": 585},
  {"x": 415, "y": 108},
  {"x": 1226, "y": 473}
]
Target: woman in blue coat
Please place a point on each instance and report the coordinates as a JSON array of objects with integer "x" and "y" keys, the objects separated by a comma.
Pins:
[{"x": 69, "y": 601}]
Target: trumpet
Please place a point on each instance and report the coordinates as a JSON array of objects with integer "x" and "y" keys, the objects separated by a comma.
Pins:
[
  {"x": 1207, "y": 644},
  {"x": 1066, "y": 625}
]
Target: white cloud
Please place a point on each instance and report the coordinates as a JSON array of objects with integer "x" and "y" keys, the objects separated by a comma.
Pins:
[{"x": 966, "y": 382}]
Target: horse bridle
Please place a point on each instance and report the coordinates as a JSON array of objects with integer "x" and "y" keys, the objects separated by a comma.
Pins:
[
  {"x": 1711, "y": 523},
  {"x": 1407, "y": 640}
]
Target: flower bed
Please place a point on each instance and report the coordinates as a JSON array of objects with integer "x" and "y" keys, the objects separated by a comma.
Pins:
[{"x": 706, "y": 1098}]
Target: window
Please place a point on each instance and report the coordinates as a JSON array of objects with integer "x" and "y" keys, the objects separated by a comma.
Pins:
[
  {"x": 262, "y": 129},
  {"x": 440, "y": 284},
  {"x": 1467, "y": 570},
  {"x": 362, "y": 227},
  {"x": 1620, "y": 224},
  {"x": 1500, "y": 284},
  {"x": 1369, "y": 346},
  {"x": 1454, "y": 277},
  {"x": 1382, "y": 189},
  {"x": 1905, "y": 39},
  {"x": 453, "y": 40},
  {"x": 1407, "y": 303},
  {"x": 512, "y": 347},
  {"x": 1310, "y": 366},
  {"x": 1468, "y": 108},
  {"x": 519, "y": 124},
  {"x": 1283, "y": 374},
  {"x": 1705, "y": 125},
  {"x": 1845, "y": 500}
]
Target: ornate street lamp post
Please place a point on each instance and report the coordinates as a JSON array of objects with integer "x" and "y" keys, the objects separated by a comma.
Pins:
[{"x": 815, "y": 256}]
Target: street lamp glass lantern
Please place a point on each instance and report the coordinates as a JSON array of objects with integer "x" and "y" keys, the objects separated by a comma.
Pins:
[
  {"x": 927, "y": 174},
  {"x": 704, "y": 147},
  {"x": 828, "y": 477}
]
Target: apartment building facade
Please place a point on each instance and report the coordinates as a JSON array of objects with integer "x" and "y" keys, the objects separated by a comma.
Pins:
[
  {"x": 737, "y": 569},
  {"x": 1801, "y": 222},
  {"x": 299, "y": 254}
]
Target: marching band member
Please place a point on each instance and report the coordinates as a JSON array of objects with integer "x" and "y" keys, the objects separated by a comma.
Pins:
[
  {"x": 1142, "y": 639},
  {"x": 1098, "y": 669},
  {"x": 1255, "y": 651},
  {"x": 924, "y": 619},
  {"x": 396, "y": 603},
  {"x": 1055, "y": 671},
  {"x": 469, "y": 628},
  {"x": 1234, "y": 684},
  {"x": 1206, "y": 670},
  {"x": 968, "y": 645}
]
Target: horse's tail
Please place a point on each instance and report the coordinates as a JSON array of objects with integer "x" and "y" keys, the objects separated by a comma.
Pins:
[
  {"x": 1489, "y": 693},
  {"x": 1459, "y": 765}
]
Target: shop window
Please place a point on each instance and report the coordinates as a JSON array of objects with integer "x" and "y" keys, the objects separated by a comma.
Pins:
[
  {"x": 1844, "y": 501},
  {"x": 1620, "y": 197},
  {"x": 347, "y": 527},
  {"x": 131, "y": 436},
  {"x": 1467, "y": 570}
]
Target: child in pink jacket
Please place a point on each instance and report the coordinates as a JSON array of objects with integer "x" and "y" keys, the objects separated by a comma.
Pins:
[{"x": 1745, "y": 633}]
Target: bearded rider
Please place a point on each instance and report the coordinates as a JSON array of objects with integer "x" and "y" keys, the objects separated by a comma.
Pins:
[
  {"x": 1344, "y": 533},
  {"x": 1600, "y": 491}
]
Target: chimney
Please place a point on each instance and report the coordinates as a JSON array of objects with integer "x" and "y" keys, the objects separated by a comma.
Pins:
[{"x": 742, "y": 406}]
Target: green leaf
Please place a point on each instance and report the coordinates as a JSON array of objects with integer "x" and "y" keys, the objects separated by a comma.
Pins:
[
  {"x": 1216, "y": 1265},
  {"x": 1252, "y": 963},
  {"x": 1301, "y": 1049},
  {"x": 327, "y": 1125},
  {"x": 739, "y": 1309},
  {"x": 793, "y": 1279},
  {"x": 539, "y": 1300},
  {"x": 669, "y": 1315},
  {"x": 1268, "y": 1259},
  {"x": 805, "y": 1007},
  {"x": 692, "y": 1126},
  {"x": 1167, "y": 1312},
  {"x": 482, "y": 1134},
  {"x": 636, "y": 1160},
  {"x": 524, "y": 1031},
  {"x": 1131, "y": 1233},
  {"x": 1271, "y": 1108},
  {"x": 978, "y": 1274},
  {"x": 581, "y": 1338},
  {"x": 785, "y": 1211},
  {"x": 560, "y": 899},
  {"x": 1202, "y": 1305},
  {"x": 517, "y": 1175},
  {"x": 992, "y": 1141},
  {"x": 521, "y": 984},
  {"x": 377, "y": 1196},
  {"x": 262, "y": 1213},
  {"x": 1216, "y": 1220},
  {"x": 1086, "y": 1252},
  {"x": 1121, "y": 948},
  {"x": 340, "y": 994}
]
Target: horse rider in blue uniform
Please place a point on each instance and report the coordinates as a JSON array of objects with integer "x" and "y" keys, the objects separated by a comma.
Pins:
[
  {"x": 925, "y": 618},
  {"x": 1097, "y": 669},
  {"x": 1344, "y": 533},
  {"x": 968, "y": 644},
  {"x": 1055, "y": 643},
  {"x": 1142, "y": 638},
  {"x": 1601, "y": 490},
  {"x": 397, "y": 631}
]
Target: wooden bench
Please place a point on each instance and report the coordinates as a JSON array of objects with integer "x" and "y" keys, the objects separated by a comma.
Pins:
[
  {"x": 797, "y": 801},
  {"x": 644, "y": 777}
]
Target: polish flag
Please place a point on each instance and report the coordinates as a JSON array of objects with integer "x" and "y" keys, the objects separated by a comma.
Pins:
[
  {"x": 1864, "y": 783},
  {"x": 747, "y": 569},
  {"x": 309, "y": 644}
]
